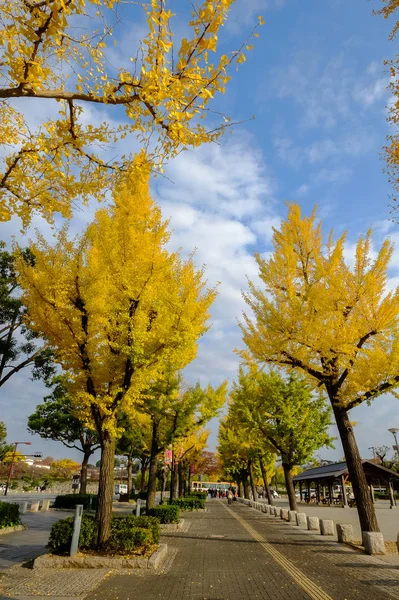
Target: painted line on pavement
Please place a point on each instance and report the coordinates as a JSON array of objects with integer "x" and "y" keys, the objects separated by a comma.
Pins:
[{"x": 313, "y": 590}]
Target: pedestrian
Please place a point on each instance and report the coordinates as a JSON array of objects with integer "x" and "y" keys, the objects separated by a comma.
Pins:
[{"x": 229, "y": 497}]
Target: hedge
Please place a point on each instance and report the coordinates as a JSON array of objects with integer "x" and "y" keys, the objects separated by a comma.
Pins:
[
  {"x": 71, "y": 500},
  {"x": 188, "y": 503},
  {"x": 166, "y": 513},
  {"x": 128, "y": 533},
  {"x": 202, "y": 495},
  {"x": 9, "y": 515}
]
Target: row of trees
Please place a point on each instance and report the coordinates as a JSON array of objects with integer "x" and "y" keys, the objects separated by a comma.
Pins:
[
  {"x": 334, "y": 324},
  {"x": 268, "y": 416},
  {"x": 120, "y": 313}
]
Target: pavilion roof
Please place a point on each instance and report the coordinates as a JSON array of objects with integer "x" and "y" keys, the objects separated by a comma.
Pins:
[{"x": 335, "y": 470}]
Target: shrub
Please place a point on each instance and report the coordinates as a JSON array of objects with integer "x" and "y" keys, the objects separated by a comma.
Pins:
[
  {"x": 202, "y": 495},
  {"x": 61, "y": 534},
  {"x": 166, "y": 513},
  {"x": 141, "y": 495},
  {"x": 71, "y": 500},
  {"x": 126, "y": 533},
  {"x": 9, "y": 515},
  {"x": 188, "y": 503}
]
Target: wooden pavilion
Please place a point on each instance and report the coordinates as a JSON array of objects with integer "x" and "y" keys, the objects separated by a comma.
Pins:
[{"x": 327, "y": 477}]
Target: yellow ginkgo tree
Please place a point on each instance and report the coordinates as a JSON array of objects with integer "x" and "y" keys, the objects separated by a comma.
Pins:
[
  {"x": 115, "y": 304},
  {"x": 61, "y": 53},
  {"x": 337, "y": 324}
]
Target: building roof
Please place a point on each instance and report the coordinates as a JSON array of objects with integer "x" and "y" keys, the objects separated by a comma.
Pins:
[{"x": 335, "y": 470}]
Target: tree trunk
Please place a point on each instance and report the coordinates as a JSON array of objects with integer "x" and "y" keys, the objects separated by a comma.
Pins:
[
  {"x": 181, "y": 479},
  {"x": 251, "y": 476},
  {"x": 83, "y": 472},
  {"x": 105, "y": 488},
  {"x": 240, "y": 488},
  {"x": 129, "y": 474},
  {"x": 289, "y": 484},
  {"x": 143, "y": 471},
  {"x": 365, "y": 507},
  {"x": 246, "y": 488},
  {"x": 152, "y": 473},
  {"x": 189, "y": 480},
  {"x": 266, "y": 482}
]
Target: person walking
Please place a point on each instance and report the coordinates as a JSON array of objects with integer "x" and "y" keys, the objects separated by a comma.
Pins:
[{"x": 229, "y": 497}]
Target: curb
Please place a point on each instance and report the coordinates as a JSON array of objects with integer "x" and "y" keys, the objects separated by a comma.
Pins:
[
  {"x": 5, "y": 530},
  {"x": 51, "y": 561},
  {"x": 165, "y": 527}
]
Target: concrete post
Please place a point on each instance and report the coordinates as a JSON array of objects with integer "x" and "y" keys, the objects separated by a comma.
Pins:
[
  {"x": 23, "y": 507},
  {"x": 373, "y": 542},
  {"x": 138, "y": 507},
  {"x": 326, "y": 527},
  {"x": 45, "y": 505},
  {"x": 391, "y": 496},
  {"x": 301, "y": 520},
  {"x": 345, "y": 532},
  {"x": 313, "y": 524},
  {"x": 372, "y": 493},
  {"x": 34, "y": 507},
  {"x": 292, "y": 516},
  {"x": 284, "y": 514}
]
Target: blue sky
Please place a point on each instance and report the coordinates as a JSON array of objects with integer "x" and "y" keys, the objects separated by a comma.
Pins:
[{"x": 316, "y": 84}]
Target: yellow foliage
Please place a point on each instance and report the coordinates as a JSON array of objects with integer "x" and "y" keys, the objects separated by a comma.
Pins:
[
  {"x": 115, "y": 304},
  {"x": 337, "y": 324},
  {"x": 163, "y": 94}
]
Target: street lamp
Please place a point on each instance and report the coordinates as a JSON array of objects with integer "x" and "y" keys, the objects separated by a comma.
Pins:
[
  {"x": 394, "y": 431},
  {"x": 16, "y": 444}
]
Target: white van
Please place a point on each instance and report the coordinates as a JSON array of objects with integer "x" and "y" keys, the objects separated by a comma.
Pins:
[{"x": 120, "y": 488}]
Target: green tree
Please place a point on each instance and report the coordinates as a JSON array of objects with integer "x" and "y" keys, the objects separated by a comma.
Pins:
[
  {"x": 176, "y": 413},
  {"x": 286, "y": 413},
  {"x": 19, "y": 346},
  {"x": 55, "y": 420}
]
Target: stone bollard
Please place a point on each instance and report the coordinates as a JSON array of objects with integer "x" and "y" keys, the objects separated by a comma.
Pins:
[
  {"x": 264, "y": 508},
  {"x": 345, "y": 532},
  {"x": 23, "y": 507},
  {"x": 313, "y": 524},
  {"x": 284, "y": 514},
  {"x": 292, "y": 516},
  {"x": 301, "y": 520},
  {"x": 34, "y": 507},
  {"x": 373, "y": 542},
  {"x": 45, "y": 504},
  {"x": 326, "y": 527},
  {"x": 276, "y": 511}
]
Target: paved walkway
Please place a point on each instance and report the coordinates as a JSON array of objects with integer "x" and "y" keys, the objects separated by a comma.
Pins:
[
  {"x": 224, "y": 553},
  {"x": 24, "y": 545},
  {"x": 240, "y": 553}
]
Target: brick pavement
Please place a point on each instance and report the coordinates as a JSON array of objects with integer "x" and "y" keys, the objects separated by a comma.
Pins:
[{"x": 257, "y": 557}]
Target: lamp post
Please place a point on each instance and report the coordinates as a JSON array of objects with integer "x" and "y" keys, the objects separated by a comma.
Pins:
[
  {"x": 12, "y": 463},
  {"x": 394, "y": 431}
]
